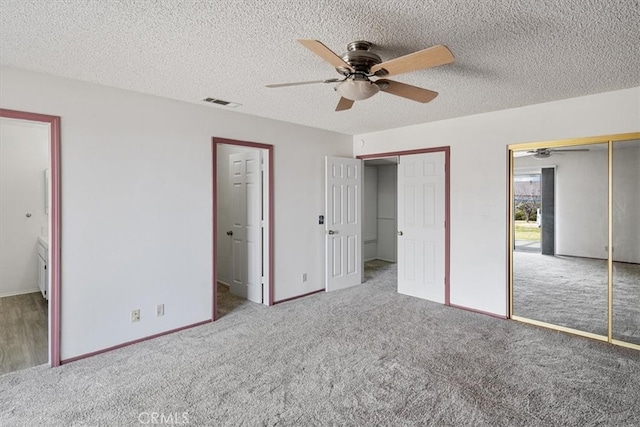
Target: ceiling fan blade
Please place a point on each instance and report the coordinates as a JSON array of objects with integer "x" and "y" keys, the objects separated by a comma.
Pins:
[
  {"x": 344, "y": 104},
  {"x": 406, "y": 91},
  {"x": 325, "y": 53},
  {"x": 303, "y": 83},
  {"x": 426, "y": 58},
  {"x": 517, "y": 154}
]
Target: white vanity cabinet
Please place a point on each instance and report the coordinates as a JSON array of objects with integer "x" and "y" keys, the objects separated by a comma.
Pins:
[{"x": 43, "y": 259}]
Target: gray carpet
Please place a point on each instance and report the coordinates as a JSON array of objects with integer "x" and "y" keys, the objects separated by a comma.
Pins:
[
  {"x": 361, "y": 356},
  {"x": 572, "y": 292}
]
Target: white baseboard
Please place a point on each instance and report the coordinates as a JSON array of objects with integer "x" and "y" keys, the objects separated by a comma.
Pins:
[
  {"x": 387, "y": 260},
  {"x": 222, "y": 282},
  {"x": 12, "y": 294}
]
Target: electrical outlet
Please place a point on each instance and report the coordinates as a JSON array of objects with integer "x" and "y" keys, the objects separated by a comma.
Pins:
[
  {"x": 304, "y": 277},
  {"x": 160, "y": 310},
  {"x": 135, "y": 315}
]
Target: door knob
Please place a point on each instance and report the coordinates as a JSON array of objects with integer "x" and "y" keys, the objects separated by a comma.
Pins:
[
  {"x": 229, "y": 233},
  {"x": 399, "y": 233},
  {"x": 28, "y": 215},
  {"x": 332, "y": 232}
]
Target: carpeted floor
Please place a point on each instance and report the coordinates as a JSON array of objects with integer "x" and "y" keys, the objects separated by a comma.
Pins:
[
  {"x": 360, "y": 356},
  {"x": 572, "y": 292},
  {"x": 381, "y": 271}
]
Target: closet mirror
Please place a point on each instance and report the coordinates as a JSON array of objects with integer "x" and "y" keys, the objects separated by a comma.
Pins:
[
  {"x": 560, "y": 237},
  {"x": 626, "y": 241}
]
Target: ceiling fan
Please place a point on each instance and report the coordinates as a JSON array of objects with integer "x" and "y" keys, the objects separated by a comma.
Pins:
[
  {"x": 544, "y": 153},
  {"x": 361, "y": 69}
]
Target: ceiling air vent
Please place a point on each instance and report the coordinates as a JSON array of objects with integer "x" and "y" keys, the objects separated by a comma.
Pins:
[{"x": 221, "y": 102}]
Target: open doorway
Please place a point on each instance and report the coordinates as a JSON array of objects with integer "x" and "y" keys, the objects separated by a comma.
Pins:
[
  {"x": 29, "y": 240},
  {"x": 379, "y": 218},
  {"x": 242, "y": 225},
  {"x": 422, "y": 222},
  {"x": 527, "y": 200}
]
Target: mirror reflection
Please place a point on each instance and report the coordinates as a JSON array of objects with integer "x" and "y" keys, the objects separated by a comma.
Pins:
[
  {"x": 560, "y": 272},
  {"x": 626, "y": 241}
]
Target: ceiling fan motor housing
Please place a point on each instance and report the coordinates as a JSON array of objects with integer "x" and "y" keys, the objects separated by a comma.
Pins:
[{"x": 359, "y": 57}]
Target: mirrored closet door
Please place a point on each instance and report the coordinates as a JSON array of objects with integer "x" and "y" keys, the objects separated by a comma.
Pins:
[
  {"x": 575, "y": 236},
  {"x": 626, "y": 241}
]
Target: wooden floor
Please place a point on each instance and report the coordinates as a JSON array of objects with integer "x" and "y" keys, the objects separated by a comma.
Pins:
[{"x": 23, "y": 332}]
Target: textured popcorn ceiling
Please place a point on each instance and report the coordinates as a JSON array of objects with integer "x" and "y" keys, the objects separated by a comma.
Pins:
[{"x": 508, "y": 53}]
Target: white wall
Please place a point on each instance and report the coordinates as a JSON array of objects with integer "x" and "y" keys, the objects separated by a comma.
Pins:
[
  {"x": 582, "y": 203},
  {"x": 370, "y": 213},
  {"x": 24, "y": 155},
  {"x": 387, "y": 209},
  {"x": 479, "y": 176},
  {"x": 136, "y": 204},
  {"x": 379, "y": 212}
]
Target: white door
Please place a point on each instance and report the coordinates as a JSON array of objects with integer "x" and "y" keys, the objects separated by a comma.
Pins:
[
  {"x": 421, "y": 226},
  {"x": 343, "y": 186},
  {"x": 246, "y": 225}
]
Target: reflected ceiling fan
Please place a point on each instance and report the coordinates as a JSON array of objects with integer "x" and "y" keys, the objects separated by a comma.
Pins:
[
  {"x": 545, "y": 153},
  {"x": 361, "y": 70}
]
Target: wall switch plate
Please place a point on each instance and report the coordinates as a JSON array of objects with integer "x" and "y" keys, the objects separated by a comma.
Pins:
[
  {"x": 135, "y": 315},
  {"x": 160, "y": 310},
  {"x": 304, "y": 277}
]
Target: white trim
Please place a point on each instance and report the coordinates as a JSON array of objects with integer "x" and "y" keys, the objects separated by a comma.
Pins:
[
  {"x": 266, "y": 255},
  {"x": 28, "y": 291}
]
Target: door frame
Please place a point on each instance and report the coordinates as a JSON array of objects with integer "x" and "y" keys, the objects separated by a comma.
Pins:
[
  {"x": 54, "y": 261},
  {"x": 447, "y": 204},
  {"x": 270, "y": 209}
]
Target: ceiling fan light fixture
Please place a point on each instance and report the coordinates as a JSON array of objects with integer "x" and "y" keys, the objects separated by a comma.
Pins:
[
  {"x": 357, "y": 89},
  {"x": 542, "y": 155}
]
